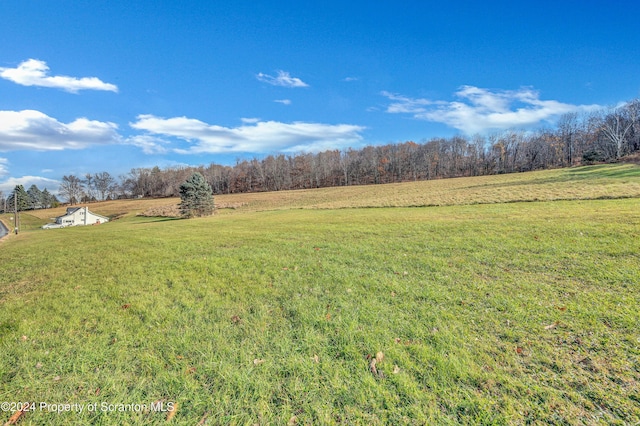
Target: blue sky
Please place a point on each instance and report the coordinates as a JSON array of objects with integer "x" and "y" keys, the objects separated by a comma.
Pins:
[{"x": 111, "y": 85}]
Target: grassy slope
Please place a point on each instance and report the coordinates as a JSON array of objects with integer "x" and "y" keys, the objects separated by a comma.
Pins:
[
  {"x": 501, "y": 313},
  {"x": 579, "y": 183}
]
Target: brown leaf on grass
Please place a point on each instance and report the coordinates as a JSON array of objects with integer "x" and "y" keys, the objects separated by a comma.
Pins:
[
  {"x": 17, "y": 415},
  {"x": 292, "y": 421},
  {"x": 235, "y": 319},
  {"x": 125, "y": 306},
  {"x": 398, "y": 340},
  {"x": 171, "y": 412},
  {"x": 203, "y": 420},
  {"x": 562, "y": 308},
  {"x": 589, "y": 364},
  {"x": 56, "y": 379},
  {"x": 396, "y": 369},
  {"x": 258, "y": 361},
  {"x": 191, "y": 370},
  {"x": 97, "y": 392},
  {"x": 519, "y": 350},
  {"x": 316, "y": 359},
  {"x": 551, "y": 326},
  {"x": 374, "y": 369},
  {"x": 24, "y": 338},
  {"x": 374, "y": 362},
  {"x": 39, "y": 365}
]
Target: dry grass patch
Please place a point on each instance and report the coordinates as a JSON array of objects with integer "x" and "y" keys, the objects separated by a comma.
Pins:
[
  {"x": 609, "y": 181},
  {"x": 170, "y": 210}
]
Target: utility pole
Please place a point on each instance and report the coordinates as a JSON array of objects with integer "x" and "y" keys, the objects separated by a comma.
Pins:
[{"x": 16, "y": 221}]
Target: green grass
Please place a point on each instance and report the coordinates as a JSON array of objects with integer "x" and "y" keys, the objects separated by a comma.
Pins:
[
  {"x": 28, "y": 221},
  {"x": 517, "y": 313}
]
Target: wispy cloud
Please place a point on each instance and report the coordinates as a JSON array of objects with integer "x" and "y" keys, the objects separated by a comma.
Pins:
[
  {"x": 33, "y": 130},
  {"x": 283, "y": 101},
  {"x": 51, "y": 185},
  {"x": 283, "y": 79},
  {"x": 480, "y": 110},
  {"x": 148, "y": 143},
  {"x": 404, "y": 104},
  {"x": 3, "y": 166},
  {"x": 258, "y": 137},
  {"x": 350, "y": 79},
  {"x": 34, "y": 72}
]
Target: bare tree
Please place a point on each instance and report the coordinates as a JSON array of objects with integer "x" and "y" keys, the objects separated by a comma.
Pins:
[
  {"x": 567, "y": 131},
  {"x": 616, "y": 125},
  {"x": 89, "y": 185},
  {"x": 71, "y": 188},
  {"x": 103, "y": 182}
]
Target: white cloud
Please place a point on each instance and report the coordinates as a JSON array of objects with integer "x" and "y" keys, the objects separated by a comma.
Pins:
[
  {"x": 26, "y": 181},
  {"x": 33, "y": 130},
  {"x": 403, "y": 104},
  {"x": 46, "y": 171},
  {"x": 282, "y": 79},
  {"x": 283, "y": 101},
  {"x": 149, "y": 144},
  {"x": 33, "y": 72},
  {"x": 480, "y": 110},
  {"x": 258, "y": 137},
  {"x": 350, "y": 79},
  {"x": 3, "y": 166}
]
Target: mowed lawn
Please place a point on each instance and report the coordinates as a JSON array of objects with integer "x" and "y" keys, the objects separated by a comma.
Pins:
[{"x": 506, "y": 313}]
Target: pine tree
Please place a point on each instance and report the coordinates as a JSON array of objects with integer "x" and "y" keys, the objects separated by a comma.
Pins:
[
  {"x": 35, "y": 197},
  {"x": 19, "y": 195},
  {"x": 196, "y": 196}
]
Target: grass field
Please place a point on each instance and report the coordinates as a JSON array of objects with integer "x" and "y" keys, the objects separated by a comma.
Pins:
[{"x": 294, "y": 308}]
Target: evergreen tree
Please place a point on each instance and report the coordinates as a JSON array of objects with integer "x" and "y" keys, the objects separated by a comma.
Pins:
[
  {"x": 196, "y": 196},
  {"x": 19, "y": 195},
  {"x": 46, "y": 199},
  {"x": 35, "y": 197}
]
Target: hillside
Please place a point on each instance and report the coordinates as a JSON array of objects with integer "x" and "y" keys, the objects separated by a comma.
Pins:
[
  {"x": 293, "y": 308},
  {"x": 579, "y": 183}
]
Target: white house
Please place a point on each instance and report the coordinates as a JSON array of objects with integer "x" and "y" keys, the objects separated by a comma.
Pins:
[{"x": 76, "y": 216}]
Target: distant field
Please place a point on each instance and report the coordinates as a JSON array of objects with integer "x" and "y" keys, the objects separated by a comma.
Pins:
[
  {"x": 579, "y": 183},
  {"x": 481, "y": 311}
]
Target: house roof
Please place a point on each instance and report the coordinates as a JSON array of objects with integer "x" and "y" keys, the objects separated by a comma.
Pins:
[{"x": 72, "y": 210}]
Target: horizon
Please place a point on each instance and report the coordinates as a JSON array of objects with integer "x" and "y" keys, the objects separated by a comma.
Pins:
[{"x": 111, "y": 86}]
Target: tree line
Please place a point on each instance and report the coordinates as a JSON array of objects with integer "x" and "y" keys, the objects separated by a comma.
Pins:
[
  {"x": 601, "y": 136},
  {"x": 31, "y": 199}
]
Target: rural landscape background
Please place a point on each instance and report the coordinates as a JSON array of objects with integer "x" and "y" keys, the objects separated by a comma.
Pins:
[{"x": 425, "y": 213}]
